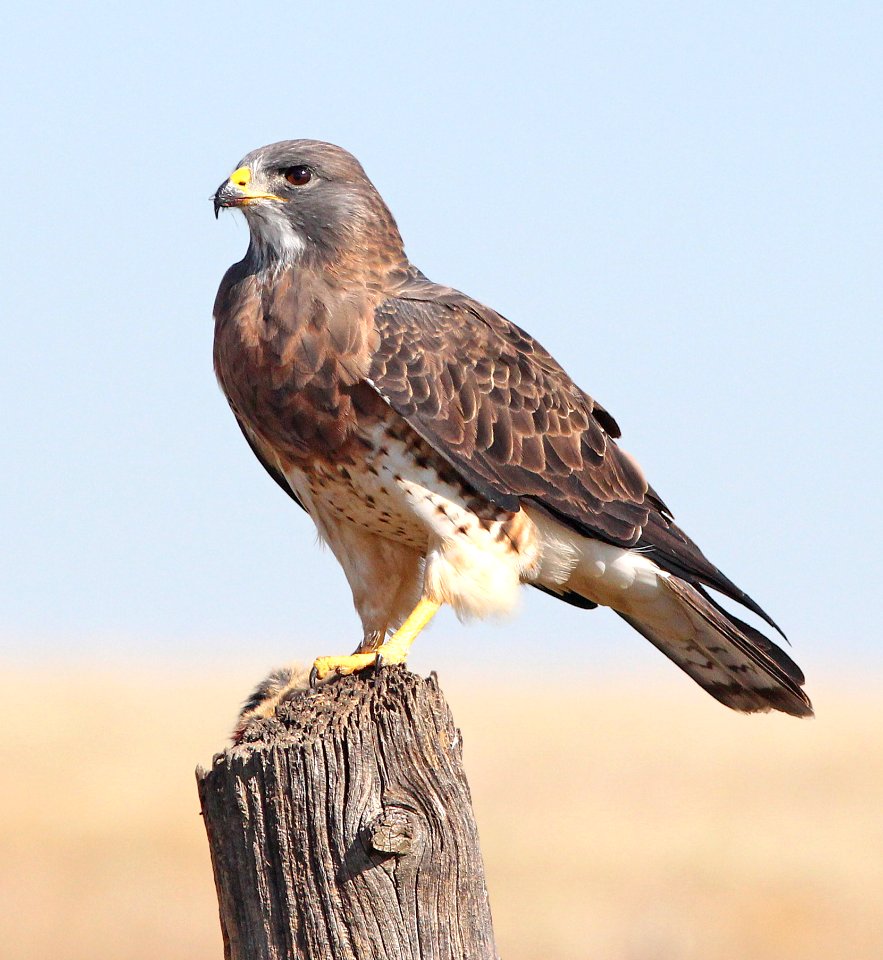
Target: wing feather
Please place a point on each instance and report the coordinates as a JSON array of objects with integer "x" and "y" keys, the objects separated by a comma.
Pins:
[
  {"x": 502, "y": 411},
  {"x": 277, "y": 475}
]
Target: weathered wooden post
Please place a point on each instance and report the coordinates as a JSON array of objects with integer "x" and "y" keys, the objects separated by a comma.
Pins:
[{"x": 343, "y": 829}]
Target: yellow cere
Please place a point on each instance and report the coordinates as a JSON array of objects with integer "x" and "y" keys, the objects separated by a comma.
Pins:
[{"x": 241, "y": 177}]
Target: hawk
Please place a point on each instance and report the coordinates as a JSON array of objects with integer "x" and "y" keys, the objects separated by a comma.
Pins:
[{"x": 444, "y": 456}]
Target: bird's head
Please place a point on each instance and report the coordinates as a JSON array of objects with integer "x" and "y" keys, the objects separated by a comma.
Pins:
[{"x": 305, "y": 198}]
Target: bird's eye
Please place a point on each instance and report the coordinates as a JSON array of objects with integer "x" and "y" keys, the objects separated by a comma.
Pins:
[{"x": 299, "y": 176}]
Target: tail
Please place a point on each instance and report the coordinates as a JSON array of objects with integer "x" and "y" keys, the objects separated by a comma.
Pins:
[{"x": 735, "y": 663}]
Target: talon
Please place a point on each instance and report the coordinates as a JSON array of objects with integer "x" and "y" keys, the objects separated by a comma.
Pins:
[
  {"x": 314, "y": 677},
  {"x": 394, "y": 650},
  {"x": 342, "y": 666}
]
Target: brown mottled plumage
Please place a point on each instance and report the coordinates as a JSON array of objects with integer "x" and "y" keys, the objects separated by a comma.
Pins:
[{"x": 441, "y": 451}]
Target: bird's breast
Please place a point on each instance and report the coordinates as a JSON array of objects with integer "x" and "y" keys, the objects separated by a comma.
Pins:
[
  {"x": 290, "y": 357},
  {"x": 392, "y": 484}
]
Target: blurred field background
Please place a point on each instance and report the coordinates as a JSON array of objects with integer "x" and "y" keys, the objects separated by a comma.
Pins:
[{"x": 626, "y": 819}]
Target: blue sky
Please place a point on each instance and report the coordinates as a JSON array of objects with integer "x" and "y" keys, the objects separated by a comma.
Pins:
[{"x": 681, "y": 201}]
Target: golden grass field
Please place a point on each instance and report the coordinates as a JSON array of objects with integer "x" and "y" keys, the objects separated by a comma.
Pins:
[{"x": 617, "y": 822}]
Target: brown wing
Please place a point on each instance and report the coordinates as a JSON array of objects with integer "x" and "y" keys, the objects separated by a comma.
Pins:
[
  {"x": 277, "y": 475},
  {"x": 506, "y": 415},
  {"x": 500, "y": 409}
]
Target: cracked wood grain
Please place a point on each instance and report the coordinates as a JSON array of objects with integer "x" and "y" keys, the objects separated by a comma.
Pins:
[{"x": 343, "y": 829}]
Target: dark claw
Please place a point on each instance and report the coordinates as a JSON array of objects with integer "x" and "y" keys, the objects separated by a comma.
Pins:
[
  {"x": 378, "y": 662},
  {"x": 314, "y": 678}
]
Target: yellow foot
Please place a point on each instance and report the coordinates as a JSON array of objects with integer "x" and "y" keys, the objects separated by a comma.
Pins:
[
  {"x": 395, "y": 650},
  {"x": 324, "y": 666}
]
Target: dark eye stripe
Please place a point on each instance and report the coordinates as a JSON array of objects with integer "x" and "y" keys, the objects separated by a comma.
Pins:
[{"x": 298, "y": 176}]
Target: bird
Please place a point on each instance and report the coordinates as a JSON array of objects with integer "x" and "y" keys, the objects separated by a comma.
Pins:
[{"x": 444, "y": 456}]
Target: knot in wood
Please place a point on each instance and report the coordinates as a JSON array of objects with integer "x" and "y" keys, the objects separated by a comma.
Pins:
[{"x": 392, "y": 832}]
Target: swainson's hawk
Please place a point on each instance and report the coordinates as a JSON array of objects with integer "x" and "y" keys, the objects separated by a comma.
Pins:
[{"x": 442, "y": 453}]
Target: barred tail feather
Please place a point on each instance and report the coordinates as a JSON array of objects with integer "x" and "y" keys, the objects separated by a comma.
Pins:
[{"x": 729, "y": 659}]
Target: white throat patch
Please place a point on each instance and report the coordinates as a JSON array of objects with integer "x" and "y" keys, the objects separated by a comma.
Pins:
[{"x": 274, "y": 237}]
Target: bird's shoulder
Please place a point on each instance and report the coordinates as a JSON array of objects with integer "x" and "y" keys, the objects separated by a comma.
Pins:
[
  {"x": 449, "y": 326},
  {"x": 239, "y": 281}
]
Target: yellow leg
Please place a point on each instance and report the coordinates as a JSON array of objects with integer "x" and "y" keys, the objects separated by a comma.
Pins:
[{"x": 394, "y": 650}]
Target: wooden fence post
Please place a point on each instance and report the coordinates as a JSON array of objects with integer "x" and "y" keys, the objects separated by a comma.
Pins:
[{"x": 343, "y": 829}]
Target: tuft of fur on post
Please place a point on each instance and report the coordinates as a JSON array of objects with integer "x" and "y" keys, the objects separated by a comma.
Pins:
[{"x": 279, "y": 686}]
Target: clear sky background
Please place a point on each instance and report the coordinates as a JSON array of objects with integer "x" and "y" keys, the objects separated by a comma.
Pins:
[{"x": 682, "y": 201}]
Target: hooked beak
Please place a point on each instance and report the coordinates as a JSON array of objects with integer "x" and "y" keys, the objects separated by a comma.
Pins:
[{"x": 236, "y": 191}]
